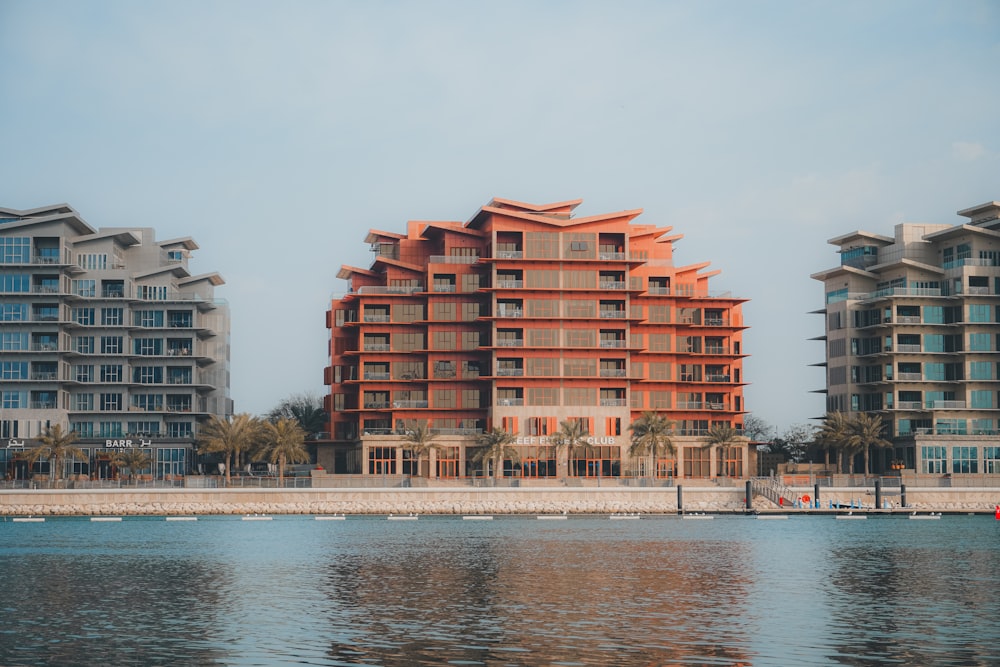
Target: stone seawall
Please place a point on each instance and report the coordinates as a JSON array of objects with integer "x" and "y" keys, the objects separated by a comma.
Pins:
[{"x": 159, "y": 502}]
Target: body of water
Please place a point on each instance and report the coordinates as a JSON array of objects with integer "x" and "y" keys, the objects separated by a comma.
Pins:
[{"x": 512, "y": 591}]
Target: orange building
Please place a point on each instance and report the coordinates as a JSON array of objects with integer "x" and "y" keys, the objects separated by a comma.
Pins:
[{"x": 522, "y": 318}]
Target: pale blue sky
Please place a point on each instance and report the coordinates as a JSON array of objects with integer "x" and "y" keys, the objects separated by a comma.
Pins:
[{"x": 277, "y": 134}]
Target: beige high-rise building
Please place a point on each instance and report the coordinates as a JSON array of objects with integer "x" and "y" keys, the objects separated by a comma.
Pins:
[
  {"x": 913, "y": 334},
  {"x": 106, "y": 332}
]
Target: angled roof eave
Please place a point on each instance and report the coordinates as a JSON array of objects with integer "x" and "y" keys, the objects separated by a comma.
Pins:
[
  {"x": 834, "y": 272},
  {"x": 374, "y": 235},
  {"x": 56, "y": 212},
  {"x": 122, "y": 236},
  {"x": 456, "y": 227},
  {"x": 861, "y": 235},
  {"x": 214, "y": 277},
  {"x": 176, "y": 269},
  {"x": 346, "y": 271},
  {"x": 905, "y": 261},
  {"x": 185, "y": 241}
]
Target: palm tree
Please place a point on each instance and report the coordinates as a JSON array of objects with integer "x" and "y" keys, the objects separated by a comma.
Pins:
[
  {"x": 572, "y": 433},
  {"x": 306, "y": 409},
  {"x": 54, "y": 445},
  {"x": 865, "y": 432},
  {"x": 283, "y": 441},
  {"x": 495, "y": 446},
  {"x": 229, "y": 437},
  {"x": 651, "y": 435},
  {"x": 419, "y": 439},
  {"x": 719, "y": 436},
  {"x": 133, "y": 460},
  {"x": 833, "y": 434}
]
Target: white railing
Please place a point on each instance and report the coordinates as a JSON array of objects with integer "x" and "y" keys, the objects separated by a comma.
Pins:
[
  {"x": 510, "y": 284},
  {"x": 510, "y": 401}
]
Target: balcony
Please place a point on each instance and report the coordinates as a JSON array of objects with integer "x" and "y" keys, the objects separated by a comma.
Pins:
[
  {"x": 393, "y": 289},
  {"x": 453, "y": 259},
  {"x": 613, "y": 315},
  {"x": 376, "y": 317},
  {"x": 444, "y": 288},
  {"x": 510, "y": 254},
  {"x": 945, "y": 405},
  {"x": 45, "y": 375},
  {"x": 506, "y": 402},
  {"x": 613, "y": 343},
  {"x": 377, "y": 347},
  {"x": 613, "y": 402},
  {"x": 689, "y": 405},
  {"x": 510, "y": 342},
  {"x": 655, "y": 289},
  {"x": 717, "y": 378},
  {"x": 376, "y": 376},
  {"x": 612, "y": 285},
  {"x": 909, "y": 377},
  {"x": 716, "y": 349},
  {"x": 611, "y": 256},
  {"x": 907, "y": 348},
  {"x": 510, "y": 372},
  {"x": 510, "y": 312},
  {"x": 410, "y": 404},
  {"x": 376, "y": 405},
  {"x": 509, "y": 284},
  {"x": 43, "y": 405},
  {"x": 909, "y": 405},
  {"x": 613, "y": 372}
]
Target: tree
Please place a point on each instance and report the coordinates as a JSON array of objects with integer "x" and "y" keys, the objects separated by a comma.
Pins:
[
  {"x": 865, "y": 432},
  {"x": 133, "y": 460},
  {"x": 572, "y": 433},
  {"x": 284, "y": 442},
  {"x": 306, "y": 409},
  {"x": 651, "y": 435},
  {"x": 495, "y": 446},
  {"x": 756, "y": 429},
  {"x": 793, "y": 441},
  {"x": 230, "y": 437},
  {"x": 419, "y": 439},
  {"x": 718, "y": 437},
  {"x": 54, "y": 446},
  {"x": 833, "y": 434}
]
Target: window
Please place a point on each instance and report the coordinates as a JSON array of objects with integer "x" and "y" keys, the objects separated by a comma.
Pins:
[
  {"x": 112, "y": 317},
  {"x": 382, "y": 461},
  {"x": 470, "y": 340},
  {"x": 543, "y": 396},
  {"x": 538, "y": 425},
  {"x": 15, "y": 250},
  {"x": 84, "y": 316},
  {"x": 111, "y": 345},
  {"x": 14, "y": 370},
  {"x": 979, "y": 312},
  {"x": 83, "y": 429},
  {"x": 148, "y": 318},
  {"x": 109, "y": 430},
  {"x": 965, "y": 459},
  {"x": 148, "y": 346},
  {"x": 13, "y": 340},
  {"x": 179, "y": 430},
  {"x": 111, "y": 373},
  {"x": 979, "y": 342},
  {"x": 982, "y": 399},
  {"x": 147, "y": 374},
  {"x": 697, "y": 462},
  {"x": 934, "y": 459},
  {"x": 92, "y": 261},
  {"x": 84, "y": 344},
  {"x": 83, "y": 402},
  {"x": 13, "y": 312},
  {"x": 83, "y": 373},
  {"x": 171, "y": 461},
  {"x": 444, "y": 340},
  {"x": 579, "y": 396},
  {"x": 991, "y": 460},
  {"x": 111, "y": 403},
  {"x": 146, "y": 428},
  {"x": 87, "y": 288},
  {"x": 152, "y": 292},
  {"x": 14, "y": 399},
  {"x": 980, "y": 370},
  {"x": 15, "y": 282}
]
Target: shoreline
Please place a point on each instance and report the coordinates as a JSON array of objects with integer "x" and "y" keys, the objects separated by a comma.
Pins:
[{"x": 443, "y": 501}]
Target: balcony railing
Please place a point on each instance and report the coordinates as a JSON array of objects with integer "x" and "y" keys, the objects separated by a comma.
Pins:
[
  {"x": 510, "y": 372},
  {"x": 907, "y": 348},
  {"x": 510, "y": 284},
  {"x": 611, "y": 256},
  {"x": 45, "y": 375},
  {"x": 444, "y": 288},
  {"x": 655, "y": 289},
  {"x": 392, "y": 289},
  {"x": 410, "y": 404},
  {"x": 510, "y": 342},
  {"x": 903, "y": 377},
  {"x": 613, "y": 285},
  {"x": 510, "y": 312},
  {"x": 945, "y": 405},
  {"x": 717, "y": 378},
  {"x": 376, "y": 317},
  {"x": 453, "y": 259},
  {"x": 613, "y": 402},
  {"x": 612, "y": 343},
  {"x": 689, "y": 405},
  {"x": 716, "y": 349},
  {"x": 377, "y": 376},
  {"x": 613, "y": 315},
  {"x": 613, "y": 372},
  {"x": 377, "y": 347},
  {"x": 376, "y": 405},
  {"x": 909, "y": 405},
  {"x": 509, "y": 254},
  {"x": 510, "y": 401}
]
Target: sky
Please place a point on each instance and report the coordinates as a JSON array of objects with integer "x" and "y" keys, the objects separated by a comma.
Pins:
[{"x": 276, "y": 134}]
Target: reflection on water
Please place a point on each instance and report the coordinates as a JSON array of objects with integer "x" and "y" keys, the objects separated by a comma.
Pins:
[{"x": 514, "y": 591}]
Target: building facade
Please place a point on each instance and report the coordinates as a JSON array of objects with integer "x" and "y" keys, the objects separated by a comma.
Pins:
[
  {"x": 913, "y": 334},
  {"x": 522, "y": 318},
  {"x": 107, "y": 333}
]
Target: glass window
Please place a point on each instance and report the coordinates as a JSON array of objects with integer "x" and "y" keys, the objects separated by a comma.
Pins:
[
  {"x": 13, "y": 340},
  {"x": 82, "y": 429},
  {"x": 965, "y": 459},
  {"x": 84, "y": 287},
  {"x": 179, "y": 430},
  {"x": 112, "y": 316},
  {"x": 110, "y": 430},
  {"x": 84, "y": 344},
  {"x": 84, "y": 316},
  {"x": 15, "y": 282},
  {"x": 15, "y": 250},
  {"x": 83, "y": 402},
  {"x": 991, "y": 460},
  {"x": 15, "y": 399},
  {"x": 982, "y": 399},
  {"x": 111, "y": 373},
  {"x": 111, "y": 402},
  {"x": 980, "y": 342},
  {"x": 14, "y": 370},
  {"x": 111, "y": 345},
  {"x": 13, "y": 312},
  {"x": 979, "y": 312},
  {"x": 980, "y": 370},
  {"x": 933, "y": 459}
]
